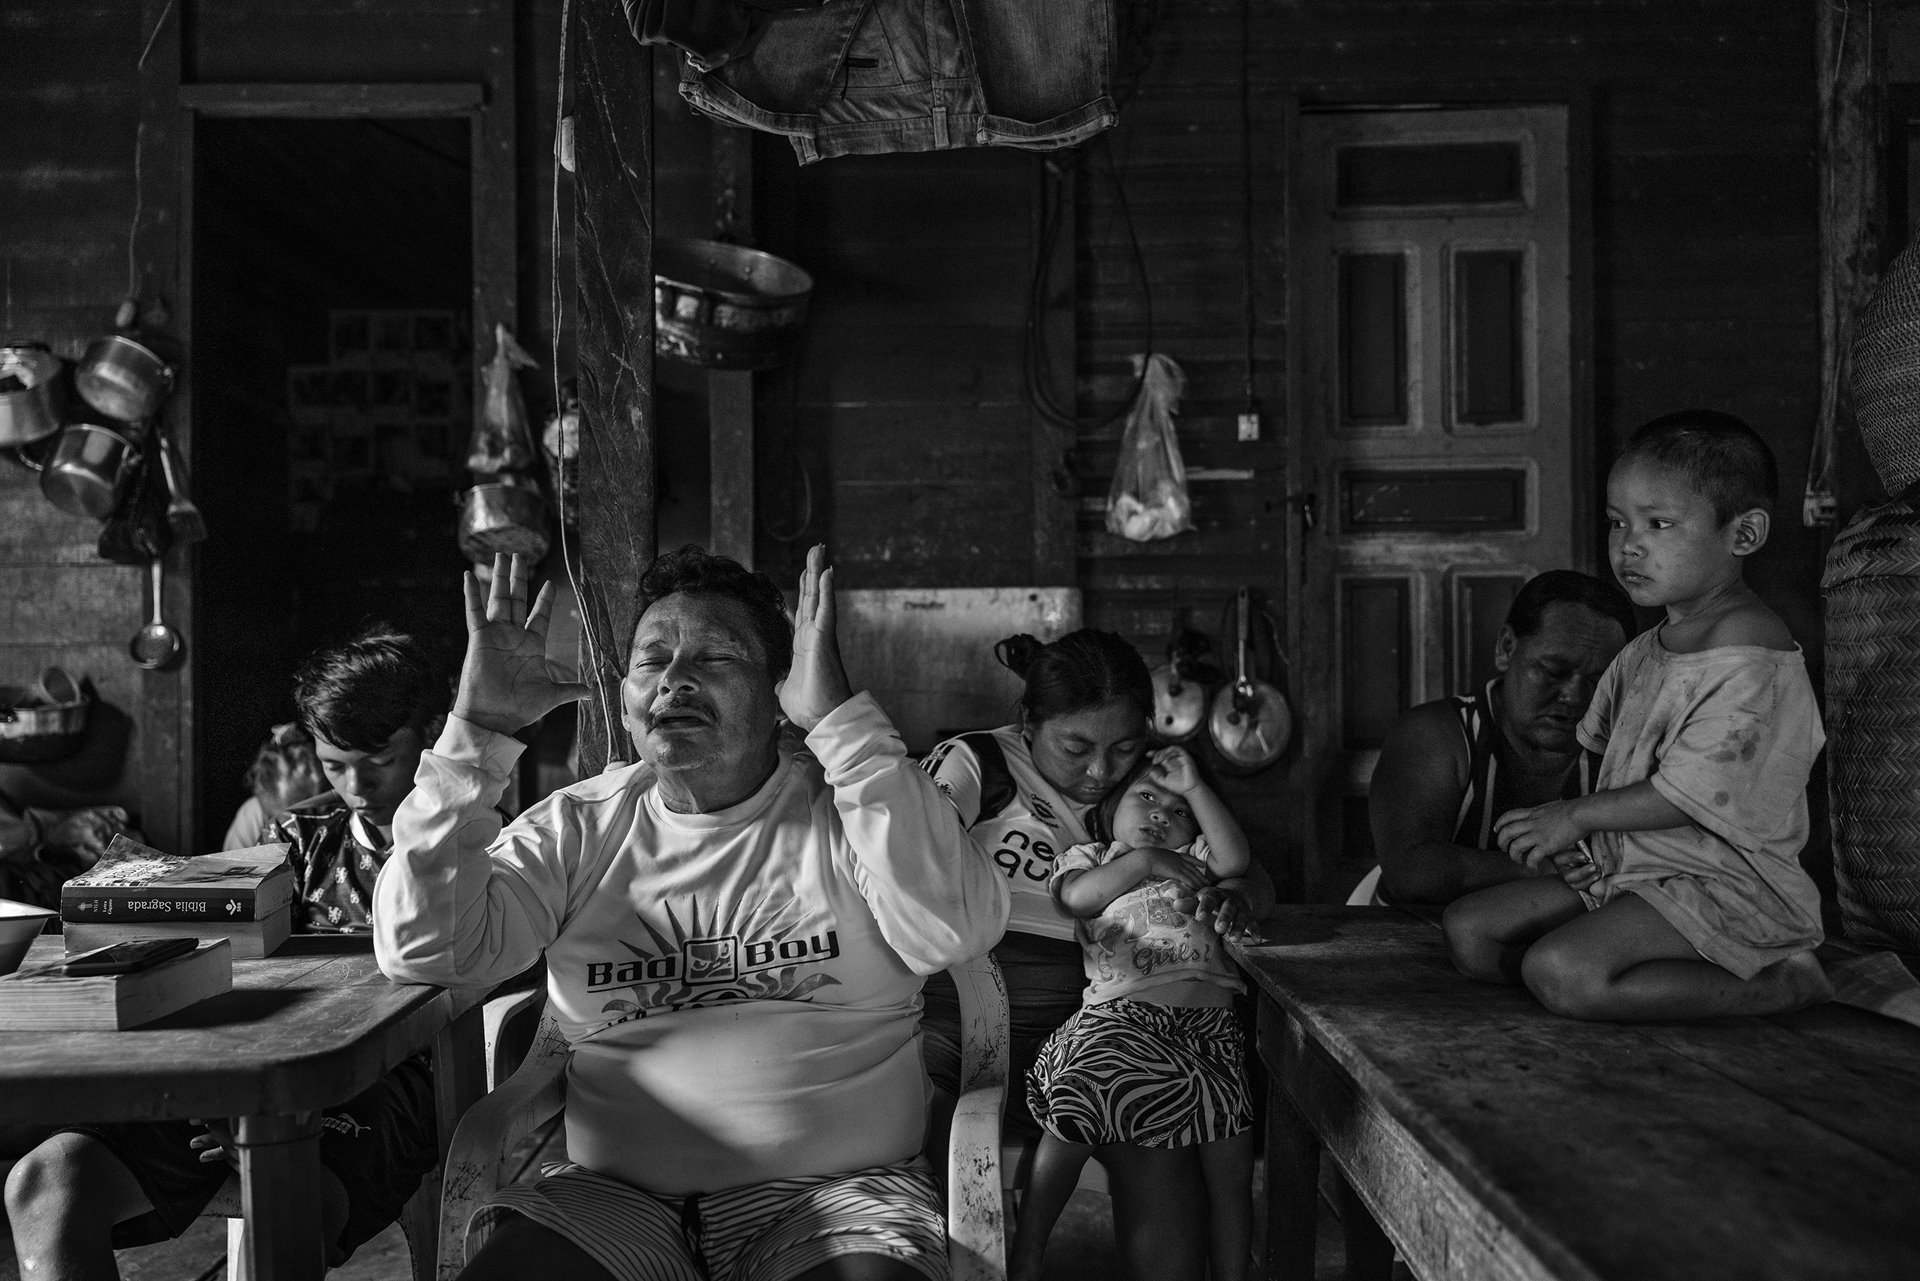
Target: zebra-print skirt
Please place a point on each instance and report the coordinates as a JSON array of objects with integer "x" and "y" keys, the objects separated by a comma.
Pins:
[{"x": 1155, "y": 1076}]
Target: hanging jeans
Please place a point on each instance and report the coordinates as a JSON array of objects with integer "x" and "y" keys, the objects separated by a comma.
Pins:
[{"x": 860, "y": 77}]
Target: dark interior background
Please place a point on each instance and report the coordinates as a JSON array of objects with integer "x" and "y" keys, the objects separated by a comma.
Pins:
[{"x": 295, "y": 222}]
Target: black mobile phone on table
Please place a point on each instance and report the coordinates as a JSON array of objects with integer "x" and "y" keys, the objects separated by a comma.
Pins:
[{"x": 124, "y": 957}]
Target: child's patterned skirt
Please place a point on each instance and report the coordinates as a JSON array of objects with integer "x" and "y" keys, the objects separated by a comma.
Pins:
[{"x": 1154, "y": 1076}]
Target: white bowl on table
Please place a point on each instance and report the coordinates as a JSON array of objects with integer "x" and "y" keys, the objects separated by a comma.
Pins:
[{"x": 20, "y": 924}]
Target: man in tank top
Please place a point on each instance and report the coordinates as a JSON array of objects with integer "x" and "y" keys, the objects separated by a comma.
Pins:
[{"x": 1449, "y": 768}]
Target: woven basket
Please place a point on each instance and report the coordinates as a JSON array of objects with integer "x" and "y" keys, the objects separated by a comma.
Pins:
[
  {"x": 1872, "y": 590},
  {"x": 1885, "y": 376}
]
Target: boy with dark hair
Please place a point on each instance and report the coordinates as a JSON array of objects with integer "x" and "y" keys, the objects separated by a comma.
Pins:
[
  {"x": 1680, "y": 893},
  {"x": 371, "y": 703}
]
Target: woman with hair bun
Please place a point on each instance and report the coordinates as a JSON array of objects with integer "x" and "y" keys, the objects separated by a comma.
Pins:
[{"x": 1028, "y": 792}]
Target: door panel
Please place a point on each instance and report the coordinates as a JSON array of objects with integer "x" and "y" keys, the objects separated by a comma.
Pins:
[{"x": 1433, "y": 322}]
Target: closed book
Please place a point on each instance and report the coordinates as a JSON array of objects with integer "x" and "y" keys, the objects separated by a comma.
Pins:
[
  {"x": 251, "y": 939},
  {"x": 133, "y": 882},
  {"x": 34, "y": 1000}
]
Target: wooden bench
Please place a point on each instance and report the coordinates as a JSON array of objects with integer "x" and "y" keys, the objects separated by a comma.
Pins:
[{"x": 1490, "y": 1139}]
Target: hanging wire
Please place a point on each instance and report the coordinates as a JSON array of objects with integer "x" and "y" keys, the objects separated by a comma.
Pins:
[
  {"x": 597, "y": 677},
  {"x": 133, "y": 227},
  {"x": 1246, "y": 185},
  {"x": 1136, "y": 23}
]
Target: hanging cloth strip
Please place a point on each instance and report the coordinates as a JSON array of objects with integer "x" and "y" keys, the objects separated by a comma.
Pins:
[{"x": 864, "y": 77}]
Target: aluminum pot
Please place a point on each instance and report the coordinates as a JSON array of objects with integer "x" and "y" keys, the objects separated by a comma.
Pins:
[
  {"x": 725, "y": 307},
  {"x": 122, "y": 379},
  {"x": 33, "y": 410},
  {"x": 88, "y": 469},
  {"x": 44, "y": 723},
  {"x": 507, "y": 515}
]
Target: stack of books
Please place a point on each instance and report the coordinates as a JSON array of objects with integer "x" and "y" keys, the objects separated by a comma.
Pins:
[
  {"x": 135, "y": 891},
  {"x": 46, "y": 998}
]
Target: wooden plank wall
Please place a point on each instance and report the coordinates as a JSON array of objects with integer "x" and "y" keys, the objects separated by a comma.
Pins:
[
  {"x": 1704, "y": 252},
  {"x": 904, "y": 408},
  {"x": 69, "y": 107}
]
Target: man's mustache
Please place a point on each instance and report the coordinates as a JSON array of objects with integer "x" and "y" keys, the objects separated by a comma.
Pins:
[{"x": 679, "y": 707}]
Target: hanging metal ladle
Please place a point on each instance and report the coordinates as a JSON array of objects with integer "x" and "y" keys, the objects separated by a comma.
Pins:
[{"x": 156, "y": 644}]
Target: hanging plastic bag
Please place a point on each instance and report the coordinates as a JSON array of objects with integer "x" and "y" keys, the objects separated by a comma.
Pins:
[
  {"x": 501, "y": 440},
  {"x": 1148, "y": 499}
]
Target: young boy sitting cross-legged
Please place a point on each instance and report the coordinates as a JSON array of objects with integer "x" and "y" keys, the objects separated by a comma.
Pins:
[
  {"x": 371, "y": 704},
  {"x": 1680, "y": 893}
]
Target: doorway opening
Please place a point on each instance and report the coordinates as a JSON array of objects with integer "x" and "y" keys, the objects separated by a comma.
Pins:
[{"x": 333, "y": 278}]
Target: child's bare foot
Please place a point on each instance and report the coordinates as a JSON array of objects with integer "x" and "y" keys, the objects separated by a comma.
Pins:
[{"x": 1801, "y": 979}]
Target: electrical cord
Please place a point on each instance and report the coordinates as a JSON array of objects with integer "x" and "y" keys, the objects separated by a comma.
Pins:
[{"x": 597, "y": 676}]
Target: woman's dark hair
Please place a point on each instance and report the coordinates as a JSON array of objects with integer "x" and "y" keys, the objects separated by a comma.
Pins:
[
  {"x": 1575, "y": 588},
  {"x": 1723, "y": 459},
  {"x": 358, "y": 694},
  {"x": 694, "y": 571},
  {"x": 1080, "y": 670}
]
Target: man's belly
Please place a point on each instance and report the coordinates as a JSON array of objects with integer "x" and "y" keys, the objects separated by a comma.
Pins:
[{"x": 710, "y": 1099}]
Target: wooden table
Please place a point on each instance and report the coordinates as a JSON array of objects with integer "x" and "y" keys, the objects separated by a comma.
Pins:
[
  {"x": 1492, "y": 1140},
  {"x": 303, "y": 1030}
]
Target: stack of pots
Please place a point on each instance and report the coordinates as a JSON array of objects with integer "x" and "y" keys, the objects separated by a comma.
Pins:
[{"x": 84, "y": 460}]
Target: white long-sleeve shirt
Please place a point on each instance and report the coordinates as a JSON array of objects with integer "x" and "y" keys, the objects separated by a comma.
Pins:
[{"x": 741, "y": 989}]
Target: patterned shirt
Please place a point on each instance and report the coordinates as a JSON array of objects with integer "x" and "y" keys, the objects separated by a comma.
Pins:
[{"x": 336, "y": 857}]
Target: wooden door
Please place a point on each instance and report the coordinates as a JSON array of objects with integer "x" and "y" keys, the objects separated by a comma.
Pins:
[{"x": 1436, "y": 423}]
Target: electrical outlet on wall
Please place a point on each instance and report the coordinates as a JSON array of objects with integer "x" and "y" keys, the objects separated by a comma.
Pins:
[{"x": 1250, "y": 426}]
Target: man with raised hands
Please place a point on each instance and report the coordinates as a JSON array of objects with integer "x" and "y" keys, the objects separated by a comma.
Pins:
[{"x": 735, "y": 931}]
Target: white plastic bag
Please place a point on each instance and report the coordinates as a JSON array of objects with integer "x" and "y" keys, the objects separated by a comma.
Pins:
[
  {"x": 501, "y": 440},
  {"x": 1148, "y": 499}
]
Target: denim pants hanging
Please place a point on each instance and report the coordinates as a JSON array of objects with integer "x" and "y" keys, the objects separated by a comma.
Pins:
[{"x": 861, "y": 77}]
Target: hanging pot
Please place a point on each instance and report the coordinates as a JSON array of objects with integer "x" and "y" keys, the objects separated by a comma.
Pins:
[
  {"x": 1180, "y": 685},
  {"x": 44, "y": 723},
  {"x": 726, "y": 307},
  {"x": 1251, "y": 722},
  {"x": 122, "y": 379},
  {"x": 31, "y": 411},
  {"x": 507, "y": 515},
  {"x": 88, "y": 469}
]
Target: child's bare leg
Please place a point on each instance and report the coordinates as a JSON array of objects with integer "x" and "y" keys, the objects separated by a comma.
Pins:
[
  {"x": 1625, "y": 962},
  {"x": 1050, "y": 1183},
  {"x": 1159, "y": 1211},
  {"x": 1489, "y": 930},
  {"x": 1228, "y": 1167}
]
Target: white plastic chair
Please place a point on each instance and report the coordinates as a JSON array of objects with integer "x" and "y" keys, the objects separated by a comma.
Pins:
[{"x": 976, "y": 1218}]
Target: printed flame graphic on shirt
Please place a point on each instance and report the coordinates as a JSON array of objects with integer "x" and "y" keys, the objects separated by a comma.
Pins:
[{"x": 693, "y": 965}]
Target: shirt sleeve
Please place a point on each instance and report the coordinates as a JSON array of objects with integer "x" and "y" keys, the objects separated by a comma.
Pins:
[
  {"x": 460, "y": 901},
  {"x": 1083, "y": 857},
  {"x": 938, "y": 900},
  {"x": 249, "y": 821},
  {"x": 955, "y": 770},
  {"x": 1597, "y": 725}
]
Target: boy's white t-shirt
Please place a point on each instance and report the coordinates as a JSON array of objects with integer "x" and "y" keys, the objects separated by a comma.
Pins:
[{"x": 1729, "y": 736}]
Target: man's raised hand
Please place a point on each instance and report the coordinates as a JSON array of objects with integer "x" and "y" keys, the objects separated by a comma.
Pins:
[
  {"x": 817, "y": 683},
  {"x": 507, "y": 681}
]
